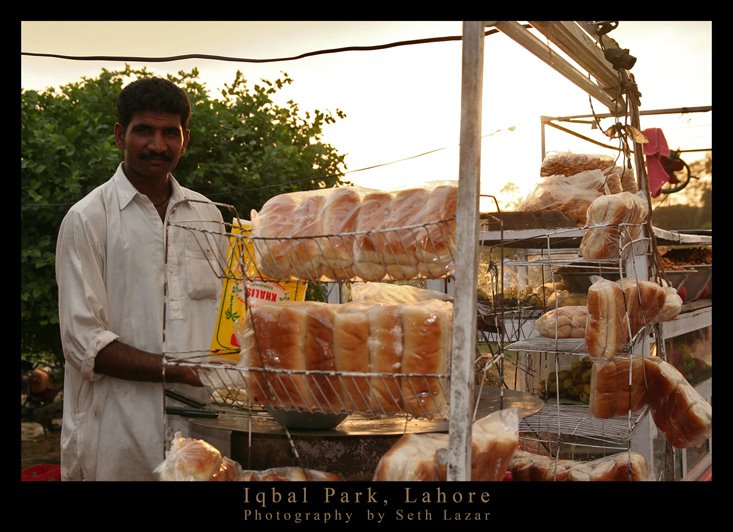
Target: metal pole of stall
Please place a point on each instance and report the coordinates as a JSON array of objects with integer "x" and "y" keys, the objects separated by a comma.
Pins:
[{"x": 467, "y": 255}]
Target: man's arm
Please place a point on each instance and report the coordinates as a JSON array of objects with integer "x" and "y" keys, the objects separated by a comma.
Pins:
[{"x": 125, "y": 362}]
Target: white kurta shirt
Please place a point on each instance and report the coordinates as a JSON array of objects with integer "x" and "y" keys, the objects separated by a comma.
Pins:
[{"x": 113, "y": 267}]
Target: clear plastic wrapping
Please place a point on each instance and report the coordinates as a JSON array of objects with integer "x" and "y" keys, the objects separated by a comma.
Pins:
[
  {"x": 612, "y": 222},
  {"x": 351, "y": 232},
  {"x": 423, "y": 457},
  {"x": 388, "y": 293},
  {"x": 289, "y": 474},
  {"x": 624, "y": 466},
  {"x": 617, "y": 387},
  {"x": 190, "y": 459},
  {"x": 353, "y": 357},
  {"x": 568, "y": 163},
  {"x": 563, "y": 322},
  {"x": 679, "y": 411},
  {"x": 570, "y": 194}
]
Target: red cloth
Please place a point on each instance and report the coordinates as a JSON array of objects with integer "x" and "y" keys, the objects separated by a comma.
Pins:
[{"x": 654, "y": 150}]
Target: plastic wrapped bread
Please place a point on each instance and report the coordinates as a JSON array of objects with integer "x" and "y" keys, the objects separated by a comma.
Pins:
[
  {"x": 351, "y": 354},
  {"x": 563, "y": 322},
  {"x": 289, "y": 474},
  {"x": 400, "y": 245},
  {"x": 338, "y": 219},
  {"x": 422, "y": 457},
  {"x": 348, "y": 232},
  {"x": 644, "y": 301},
  {"x": 624, "y": 466},
  {"x": 274, "y": 225},
  {"x": 612, "y": 222},
  {"x": 368, "y": 262},
  {"x": 189, "y": 459},
  {"x": 672, "y": 304},
  {"x": 569, "y": 163},
  {"x": 570, "y": 194},
  {"x": 390, "y": 293},
  {"x": 426, "y": 330},
  {"x": 436, "y": 242},
  {"x": 617, "y": 387},
  {"x": 305, "y": 342},
  {"x": 678, "y": 410},
  {"x": 607, "y": 329}
]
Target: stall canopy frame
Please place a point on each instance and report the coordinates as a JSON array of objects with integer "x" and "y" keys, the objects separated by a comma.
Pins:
[{"x": 613, "y": 88}]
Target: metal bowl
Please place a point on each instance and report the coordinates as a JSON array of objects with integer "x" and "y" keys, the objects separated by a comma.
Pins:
[{"x": 294, "y": 419}]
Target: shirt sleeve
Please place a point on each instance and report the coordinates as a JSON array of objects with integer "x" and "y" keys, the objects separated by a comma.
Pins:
[{"x": 83, "y": 302}]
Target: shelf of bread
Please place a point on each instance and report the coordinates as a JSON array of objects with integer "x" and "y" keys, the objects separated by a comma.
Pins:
[
  {"x": 418, "y": 395},
  {"x": 352, "y": 233},
  {"x": 368, "y": 357}
]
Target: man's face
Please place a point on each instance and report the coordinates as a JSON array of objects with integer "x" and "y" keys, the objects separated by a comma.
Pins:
[{"x": 153, "y": 142}]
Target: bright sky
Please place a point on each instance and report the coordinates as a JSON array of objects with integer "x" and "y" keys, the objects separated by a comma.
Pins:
[{"x": 403, "y": 101}]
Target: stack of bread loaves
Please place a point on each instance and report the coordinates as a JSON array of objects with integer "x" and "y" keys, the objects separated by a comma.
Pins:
[
  {"x": 386, "y": 355},
  {"x": 617, "y": 467},
  {"x": 347, "y": 232},
  {"x": 423, "y": 457},
  {"x": 623, "y": 385}
]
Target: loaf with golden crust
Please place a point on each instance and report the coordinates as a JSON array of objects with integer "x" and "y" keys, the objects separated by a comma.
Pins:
[
  {"x": 368, "y": 261},
  {"x": 612, "y": 221},
  {"x": 622, "y": 466},
  {"x": 400, "y": 245},
  {"x": 644, "y": 301},
  {"x": 563, "y": 322},
  {"x": 189, "y": 459},
  {"x": 386, "y": 344},
  {"x": 338, "y": 219},
  {"x": 672, "y": 305},
  {"x": 351, "y": 353},
  {"x": 426, "y": 329},
  {"x": 607, "y": 329},
  {"x": 423, "y": 457},
  {"x": 617, "y": 386},
  {"x": 436, "y": 241},
  {"x": 272, "y": 227},
  {"x": 678, "y": 410}
]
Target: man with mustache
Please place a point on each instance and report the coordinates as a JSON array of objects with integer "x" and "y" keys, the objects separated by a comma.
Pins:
[{"x": 132, "y": 286}]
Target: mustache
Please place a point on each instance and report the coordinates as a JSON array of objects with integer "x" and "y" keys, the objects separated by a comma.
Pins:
[{"x": 156, "y": 156}]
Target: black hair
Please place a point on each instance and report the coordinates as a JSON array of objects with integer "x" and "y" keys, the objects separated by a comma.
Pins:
[{"x": 152, "y": 94}]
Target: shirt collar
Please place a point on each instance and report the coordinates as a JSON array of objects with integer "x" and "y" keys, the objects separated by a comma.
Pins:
[{"x": 126, "y": 192}]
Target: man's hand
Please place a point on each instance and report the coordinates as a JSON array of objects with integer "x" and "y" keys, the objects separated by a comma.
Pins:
[{"x": 125, "y": 362}]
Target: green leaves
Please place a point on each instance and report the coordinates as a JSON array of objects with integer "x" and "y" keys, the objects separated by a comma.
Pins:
[{"x": 244, "y": 149}]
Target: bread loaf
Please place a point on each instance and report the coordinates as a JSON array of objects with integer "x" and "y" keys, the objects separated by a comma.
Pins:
[
  {"x": 436, "y": 242},
  {"x": 189, "y": 459},
  {"x": 644, "y": 301},
  {"x": 607, "y": 328},
  {"x": 351, "y": 353},
  {"x": 426, "y": 331},
  {"x": 672, "y": 305},
  {"x": 678, "y": 410},
  {"x": 614, "y": 389},
  {"x": 604, "y": 235},
  {"x": 368, "y": 261},
  {"x": 413, "y": 458},
  {"x": 272, "y": 227},
  {"x": 306, "y": 251},
  {"x": 385, "y": 356},
  {"x": 423, "y": 457},
  {"x": 564, "y": 322},
  {"x": 319, "y": 355},
  {"x": 289, "y": 474},
  {"x": 400, "y": 245},
  {"x": 337, "y": 219},
  {"x": 624, "y": 466}
]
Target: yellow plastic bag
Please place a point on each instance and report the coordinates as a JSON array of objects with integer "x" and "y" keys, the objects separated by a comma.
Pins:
[{"x": 242, "y": 274}]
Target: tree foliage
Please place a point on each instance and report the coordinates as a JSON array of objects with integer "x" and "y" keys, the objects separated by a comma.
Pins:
[{"x": 244, "y": 149}]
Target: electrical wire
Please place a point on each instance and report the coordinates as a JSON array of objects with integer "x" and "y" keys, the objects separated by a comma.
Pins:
[{"x": 252, "y": 60}]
